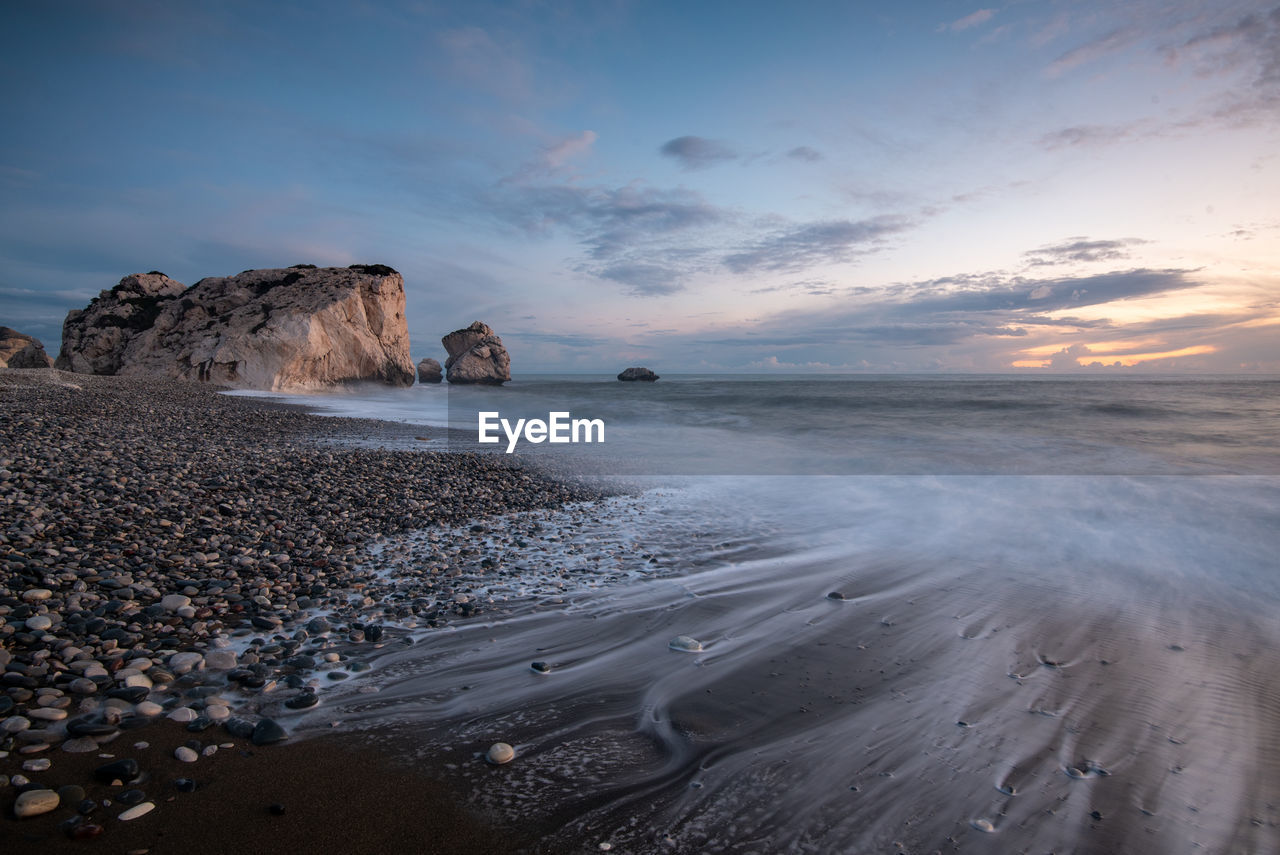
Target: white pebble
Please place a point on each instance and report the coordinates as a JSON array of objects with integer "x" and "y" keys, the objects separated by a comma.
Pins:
[
  {"x": 185, "y": 754},
  {"x": 40, "y": 765},
  {"x": 499, "y": 753},
  {"x": 984, "y": 825},
  {"x": 686, "y": 644},
  {"x": 148, "y": 708},
  {"x": 137, "y": 811},
  {"x": 217, "y": 712},
  {"x": 183, "y": 714}
]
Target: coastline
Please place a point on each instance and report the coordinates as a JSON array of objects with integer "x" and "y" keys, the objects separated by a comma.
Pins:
[{"x": 251, "y": 516}]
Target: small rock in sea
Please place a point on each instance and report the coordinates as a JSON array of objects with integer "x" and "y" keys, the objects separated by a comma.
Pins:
[
  {"x": 220, "y": 660},
  {"x": 267, "y": 732},
  {"x": 836, "y": 595},
  {"x": 306, "y": 700},
  {"x": 984, "y": 825},
  {"x": 240, "y": 728},
  {"x": 217, "y": 712},
  {"x": 185, "y": 754},
  {"x": 499, "y": 753},
  {"x": 276, "y": 809},
  {"x": 541, "y": 667},
  {"x": 137, "y": 811},
  {"x": 685, "y": 644},
  {"x": 34, "y": 803}
]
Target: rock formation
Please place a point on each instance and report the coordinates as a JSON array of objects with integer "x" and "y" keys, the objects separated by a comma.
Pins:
[
  {"x": 476, "y": 355},
  {"x": 293, "y": 328},
  {"x": 429, "y": 371},
  {"x": 18, "y": 350},
  {"x": 94, "y": 339},
  {"x": 637, "y": 373}
]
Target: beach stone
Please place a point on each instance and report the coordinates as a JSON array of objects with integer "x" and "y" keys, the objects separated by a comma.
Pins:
[
  {"x": 80, "y": 745},
  {"x": 15, "y": 724},
  {"x": 138, "y": 681},
  {"x": 217, "y": 712},
  {"x": 36, "y": 595},
  {"x": 118, "y": 770},
  {"x": 130, "y": 797},
  {"x": 137, "y": 811},
  {"x": 148, "y": 709},
  {"x": 185, "y": 754},
  {"x": 685, "y": 644},
  {"x": 500, "y": 753},
  {"x": 130, "y": 694},
  {"x": 47, "y": 714},
  {"x": 184, "y": 785},
  {"x": 306, "y": 700},
  {"x": 267, "y": 732},
  {"x": 83, "y": 686},
  {"x": 83, "y": 727},
  {"x": 34, "y": 803},
  {"x": 39, "y": 622},
  {"x": 70, "y": 795},
  {"x": 220, "y": 660},
  {"x": 184, "y": 663},
  {"x": 40, "y": 765},
  {"x": 183, "y": 714},
  {"x": 173, "y": 602},
  {"x": 240, "y": 728},
  {"x": 541, "y": 667}
]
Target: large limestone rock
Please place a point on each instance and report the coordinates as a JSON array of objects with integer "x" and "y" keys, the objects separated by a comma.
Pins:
[
  {"x": 18, "y": 350},
  {"x": 292, "y": 328},
  {"x": 637, "y": 373},
  {"x": 94, "y": 339},
  {"x": 429, "y": 371},
  {"x": 476, "y": 355}
]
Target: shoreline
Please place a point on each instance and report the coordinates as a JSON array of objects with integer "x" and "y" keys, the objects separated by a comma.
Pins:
[{"x": 162, "y": 542}]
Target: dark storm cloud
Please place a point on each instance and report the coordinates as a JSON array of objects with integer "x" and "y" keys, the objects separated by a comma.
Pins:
[
  {"x": 697, "y": 152},
  {"x": 809, "y": 244}
]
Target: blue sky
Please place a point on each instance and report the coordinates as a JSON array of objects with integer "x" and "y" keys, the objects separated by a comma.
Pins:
[{"x": 707, "y": 186}]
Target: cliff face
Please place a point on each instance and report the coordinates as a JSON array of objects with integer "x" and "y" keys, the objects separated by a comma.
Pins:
[{"x": 276, "y": 329}]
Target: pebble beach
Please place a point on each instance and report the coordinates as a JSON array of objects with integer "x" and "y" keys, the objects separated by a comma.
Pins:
[{"x": 183, "y": 571}]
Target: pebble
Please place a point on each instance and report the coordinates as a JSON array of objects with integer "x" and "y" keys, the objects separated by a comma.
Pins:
[
  {"x": 39, "y": 765},
  {"x": 220, "y": 660},
  {"x": 35, "y": 802},
  {"x": 15, "y": 724},
  {"x": 173, "y": 602},
  {"x": 39, "y": 622},
  {"x": 267, "y": 732},
  {"x": 120, "y": 770},
  {"x": 80, "y": 745},
  {"x": 685, "y": 644},
  {"x": 500, "y": 753},
  {"x": 70, "y": 795},
  {"x": 217, "y": 712},
  {"x": 984, "y": 825},
  {"x": 541, "y": 667},
  {"x": 185, "y": 754},
  {"x": 148, "y": 708},
  {"x": 36, "y": 595},
  {"x": 183, "y": 714},
  {"x": 137, "y": 811},
  {"x": 47, "y": 714}
]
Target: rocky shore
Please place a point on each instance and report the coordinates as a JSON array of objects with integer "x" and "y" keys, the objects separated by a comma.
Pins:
[{"x": 170, "y": 553}]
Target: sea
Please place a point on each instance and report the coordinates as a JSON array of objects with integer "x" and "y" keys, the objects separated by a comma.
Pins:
[{"x": 932, "y": 614}]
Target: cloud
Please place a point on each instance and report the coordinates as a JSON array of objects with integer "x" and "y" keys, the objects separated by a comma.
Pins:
[
  {"x": 809, "y": 244},
  {"x": 803, "y": 152},
  {"x": 1088, "y": 52},
  {"x": 1077, "y": 249},
  {"x": 697, "y": 152},
  {"x": 472, "y": 57},
  {"x": 557, "y": 155},
  {"x": 644, "y": 280},
  {"x": 644, "y": 238},
  {"x": 972, "y": 20},
  {"x": 1088, "y": 135}
]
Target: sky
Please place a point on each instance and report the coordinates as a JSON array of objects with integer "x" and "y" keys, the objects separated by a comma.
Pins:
[{"x": 1030, "y": 186}]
